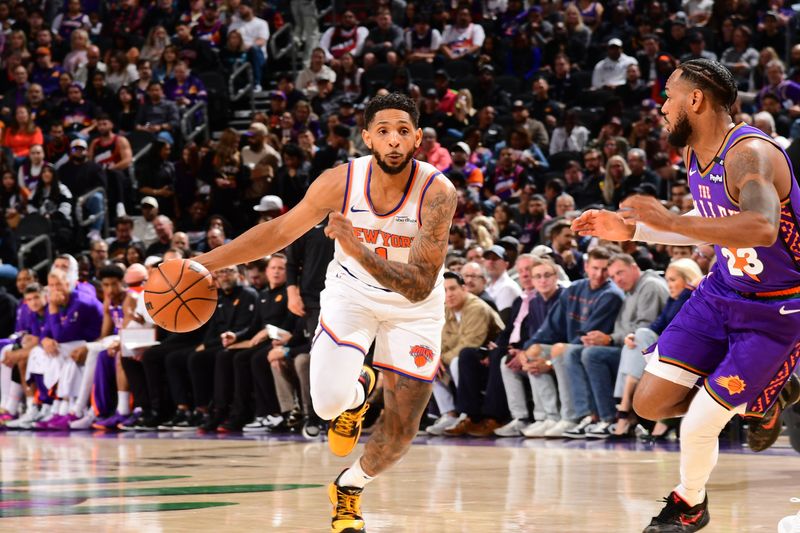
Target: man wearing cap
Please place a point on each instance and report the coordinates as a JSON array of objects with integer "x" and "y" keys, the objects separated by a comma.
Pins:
[
  {"x": 44, "y": 72},
  {"x": 522, "y": 119},
  {"x": 82, "y": 175},
  {"x": 209, "y": 27},
  {"x": 463, "y": 38},
  {"x": 676, "y": 42},
  {"x": 317, "y": 69},
  {"x": 488, "y": 92},
  {"x": 500, "y": 287},
  {"x": 445, "y": 95},
  {"x": 432, "y": 152},
  {"x": 461, "y": 168},
  {"x": 610, "y": 72},
  {"x": 257, "y": 148},
  {"x": 143, "y": 227},
  {"x": 697, "y": 48},
  {"x": 268, "y": 208}
]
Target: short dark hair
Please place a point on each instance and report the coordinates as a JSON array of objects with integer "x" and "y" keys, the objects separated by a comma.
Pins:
[
  {"x": 103, "y": 116},
  {"x": 712, "y": 78},
  {"x": 599, "y": 252},
  {"x": 126, "y": 220},
  {"x": 454, "y": 276},
  {"x": 111, "y": 271},
  {"x": 558, "y": 227},
  {"x": 33, "y": 288},
  {"x": 397, "y": 101},
  {"x": 258, "y": 264}
]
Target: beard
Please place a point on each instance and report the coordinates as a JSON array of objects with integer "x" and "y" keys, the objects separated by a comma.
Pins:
[
  {"x": 392, "y": 169},
  {"x": 682, "y": 130}
]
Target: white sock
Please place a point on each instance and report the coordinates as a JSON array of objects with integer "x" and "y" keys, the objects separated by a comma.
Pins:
[
  {"x": 63, "y": 408},
  {"x": 123, "y": 402},
  {"x": 359, "y": 397},
  {"x": 28, "y": 402},
  {"x": 14, "y": 397},
  {"x": 5, "y": 385},
  {"x": 354, "y": 476},
  {"x": 700, "y": 429}
]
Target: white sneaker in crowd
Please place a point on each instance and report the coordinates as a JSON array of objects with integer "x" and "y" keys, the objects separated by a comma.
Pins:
[
  {"x": 559, "y": 429},
  {"x": 444, "y": 423},
  {"x": 538, "y": 429},
  {"x": 579, "y": 431},
  {"x": 512, "y": 429}
]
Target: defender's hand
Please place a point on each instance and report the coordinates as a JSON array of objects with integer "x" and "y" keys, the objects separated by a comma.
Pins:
[{"x": 604, "y": 224}]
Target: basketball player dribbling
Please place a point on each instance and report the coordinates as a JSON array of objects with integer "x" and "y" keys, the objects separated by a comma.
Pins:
[
  {"x": 390, "y": 216},
  {"x": 733, "y": 346}
]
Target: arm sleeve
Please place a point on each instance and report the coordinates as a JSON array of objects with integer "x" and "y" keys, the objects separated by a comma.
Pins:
[{"x": 644, "y": 233}]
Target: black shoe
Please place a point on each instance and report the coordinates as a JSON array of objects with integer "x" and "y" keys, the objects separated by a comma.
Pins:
[
  {"x": 232, "y": 425},
  {"x": 211, "y": 422},
  {"x": 192, "y": 422},
  {"x": 678, "y": 517},
  {"x": 295, "y": 420},
  {"x": 313, "y": 427},
  {"x": 180, "y": 417},
  {"x": 148, "y": 422},
  {"x": 762, "y": 433}
]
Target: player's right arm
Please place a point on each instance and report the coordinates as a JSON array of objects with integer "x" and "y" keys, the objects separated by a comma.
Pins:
[{"x": 323, "y": 197}]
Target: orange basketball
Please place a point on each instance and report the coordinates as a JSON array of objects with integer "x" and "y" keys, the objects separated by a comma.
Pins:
[{"x": 180, "y": 295}]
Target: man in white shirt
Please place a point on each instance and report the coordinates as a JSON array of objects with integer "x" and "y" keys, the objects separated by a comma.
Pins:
[
  {"x": 462, "y": 38},
  {"x": 501, "y": 287},
  {"x": 255, "y": 34},
  {"x": 610, "y": 72}
]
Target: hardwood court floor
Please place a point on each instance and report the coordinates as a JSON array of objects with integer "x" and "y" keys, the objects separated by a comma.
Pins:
[{"x": 177, "y": 483}]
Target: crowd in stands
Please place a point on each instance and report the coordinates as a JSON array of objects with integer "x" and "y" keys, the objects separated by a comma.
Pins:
[{"x": 535, "y": 110}]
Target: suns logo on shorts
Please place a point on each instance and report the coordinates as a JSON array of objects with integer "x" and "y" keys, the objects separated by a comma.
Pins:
[
  {"x": 733, "y": 384},
  {"x": 422, "y": 355}
]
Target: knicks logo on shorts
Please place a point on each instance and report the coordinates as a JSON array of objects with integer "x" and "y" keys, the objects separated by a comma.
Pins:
[
  {"x": 422, "y": 355},
  {"x": 733, "y": 384}
]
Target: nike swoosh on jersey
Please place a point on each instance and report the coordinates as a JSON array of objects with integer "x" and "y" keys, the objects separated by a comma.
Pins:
[
  {"x": 785, "y": 311},
  {"x": 354, "y": 210}
]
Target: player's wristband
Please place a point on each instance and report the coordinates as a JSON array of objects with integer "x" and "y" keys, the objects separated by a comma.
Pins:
[{"x": 645, "y": 233}]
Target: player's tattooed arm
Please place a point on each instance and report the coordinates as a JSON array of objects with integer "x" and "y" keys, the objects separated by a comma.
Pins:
[
  {"x": 757, "y": 175},
  {"x": 416, "y": 279}
]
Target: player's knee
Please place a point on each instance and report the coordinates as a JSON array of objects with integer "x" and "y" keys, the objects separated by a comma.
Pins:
[
  {"x": 328, "y": 404},
  {"x": 647, "y": 407}
]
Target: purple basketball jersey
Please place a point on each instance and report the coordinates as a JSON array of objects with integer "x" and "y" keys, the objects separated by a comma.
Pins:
[{"x": 762, "y": 268}]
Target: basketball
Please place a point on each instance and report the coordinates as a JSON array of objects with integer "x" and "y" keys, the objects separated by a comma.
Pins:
[{"x": 180, "y": 295}]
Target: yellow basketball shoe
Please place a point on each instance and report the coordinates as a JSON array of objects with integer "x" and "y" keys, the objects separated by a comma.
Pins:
[
  {"x": 345, "y": 429},
  {"x": 346, "y": 516}
]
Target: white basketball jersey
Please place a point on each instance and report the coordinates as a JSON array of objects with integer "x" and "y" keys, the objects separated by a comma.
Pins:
[{"x": 387, "y": 234}]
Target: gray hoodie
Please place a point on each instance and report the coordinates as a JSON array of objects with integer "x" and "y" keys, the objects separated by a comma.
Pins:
[{"x": 641, "y": 306}]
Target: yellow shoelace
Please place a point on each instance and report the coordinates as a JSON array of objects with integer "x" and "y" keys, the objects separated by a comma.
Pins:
[
  {"x": 345, "y": 423},
  {"x": 347, "y": 506}
]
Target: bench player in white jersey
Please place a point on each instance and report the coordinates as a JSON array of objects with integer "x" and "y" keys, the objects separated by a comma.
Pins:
[{"x": 390, "y": 217}]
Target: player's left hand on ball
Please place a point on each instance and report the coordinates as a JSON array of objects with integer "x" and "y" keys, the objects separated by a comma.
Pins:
[
  {"x": 340, "y": 229},
  {"x": 648, "y": 210}
]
